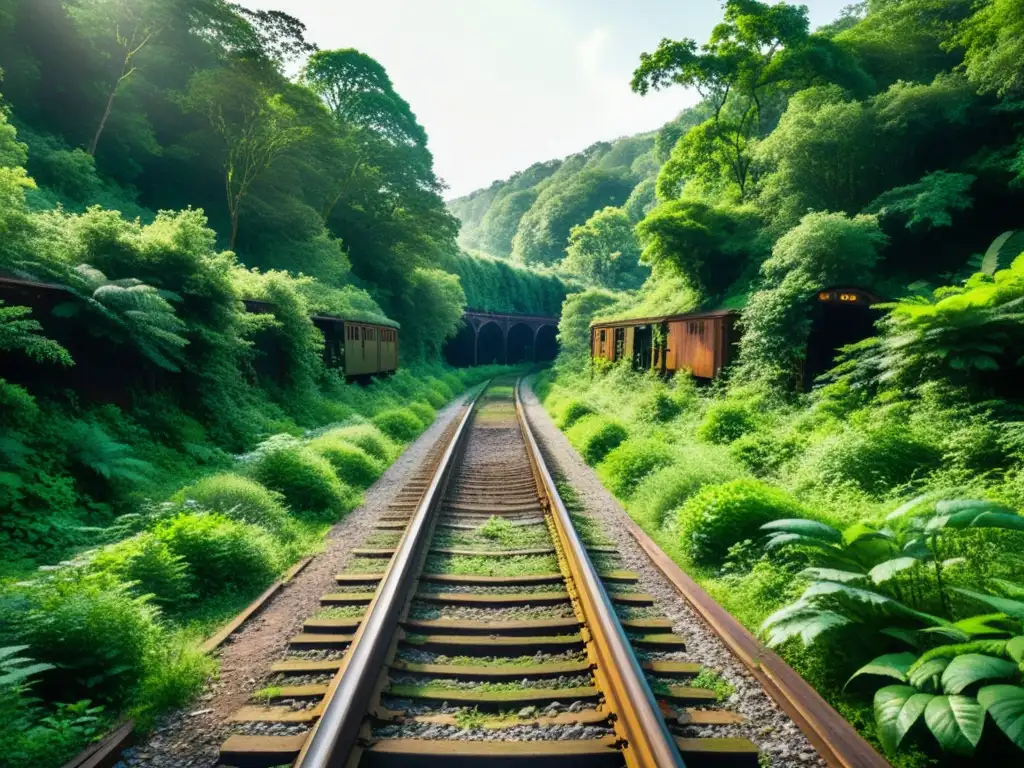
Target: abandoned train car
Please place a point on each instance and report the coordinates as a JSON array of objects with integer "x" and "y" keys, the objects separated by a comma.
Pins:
[
  {"x": 701, "y": 342},
  {"x": 706, "y": 342},
  {"x": 357, "y": 348}
]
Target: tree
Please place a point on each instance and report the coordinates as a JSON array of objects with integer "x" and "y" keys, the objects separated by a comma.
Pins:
[
  {"x": 255, "y": 124},
  {"x": 276, "y": 35},
  {"x": 708, "y": 245},
  {"x": 994, "y": 42},
  {"x": 130, "y": 25},
  {"x": 378, "y": 126},
  {"x": 605, "y": 252},
  {"x": 734, "y": 72}
]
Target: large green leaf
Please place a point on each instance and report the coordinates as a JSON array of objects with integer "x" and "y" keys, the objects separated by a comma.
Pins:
[
  {"x": 1005, "y": 605},
  {"x": 883, "y": 572},
  {"x": 951, "y": 507},
  {"x": 800, "y": 620},
  {"x": 971, "y": 668},
  {"x": 986, "y": 624},
  {"x": 890, "y": 665},
  {"x": 956, "y": 722},
  {"x": 908, "y": 636},
  {"x": 1005, "y": 703},
  {"x": 1008, "y": 520},
  {"x": 927, "y": 675},
  {"x": 897, "y": 708},
  {"x": 833, "y": 574},
  {"x": 810, "y": 528},
  {"x": 906, "y": 507},
  {"x": 1015, "y": 648}
]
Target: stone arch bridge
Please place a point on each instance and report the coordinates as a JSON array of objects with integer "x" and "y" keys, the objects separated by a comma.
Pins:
[{"x": 496, "y": 337}]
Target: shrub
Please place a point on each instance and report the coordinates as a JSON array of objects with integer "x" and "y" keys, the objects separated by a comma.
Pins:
[
  {"x": 725, "y": 421},
  {"x": 306, "y": 480},
  {"x": 762, "y": 453},
  {"x": 876, "y": 460},
  {"x": 669, "y": 487},
  {"x": 367, "y": 437},
  {"x": 173, "y": 679},
  {"x": 89, "y": 626},
  {"x": 657, "y": 407},
  {"x": 423, "y": 412},
  {"x": 594, "y": 436},
  {"x": 150, "y": 567},
  {"x": 399, "y": 424},
  {"x": 573, "y": 411},
  {"x": 351, "y": 463},
  {"x": 625, "y": 466},
  {"x": 718, "y": 516},
  {"x": 222, "y": 554},
  {"x": 240, "y": 498}
]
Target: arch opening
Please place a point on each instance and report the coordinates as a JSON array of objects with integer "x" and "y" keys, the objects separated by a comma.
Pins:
[
  {"x": 490, "y": 343},
  {"x": 520, "y": 344},
  {"x": 458, "y": 350},
  {"x": 547, "y": 344},
  {"x": 839, "y": 317}
]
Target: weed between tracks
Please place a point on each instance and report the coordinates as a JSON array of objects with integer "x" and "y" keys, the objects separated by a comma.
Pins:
[
  {"x": 519, "y": 565},
  {"x": 496, "y": 533}
]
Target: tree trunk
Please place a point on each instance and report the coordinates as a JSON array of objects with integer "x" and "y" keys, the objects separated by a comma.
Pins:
[
  {"x": 103, "y": 123},
  {"x": 234, "y": 228}
]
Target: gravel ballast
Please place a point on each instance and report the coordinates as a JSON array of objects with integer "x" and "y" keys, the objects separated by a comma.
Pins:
[{"x": 778, "y": 737}]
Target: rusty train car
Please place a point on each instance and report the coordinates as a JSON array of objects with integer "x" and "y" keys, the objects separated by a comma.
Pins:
[
  {"x": 705, "y": 342},
  {"x": 357, "y": 348},
  {"x": 701, "y": 342}
]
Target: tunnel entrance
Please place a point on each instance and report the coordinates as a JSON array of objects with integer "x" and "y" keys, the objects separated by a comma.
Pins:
[
  {"x": 840, "y": 316},
  {"x": 458, "y": 350},
  {"x": 547, "y": 344},
  {"x": 490, "y": 345},
  {"x": 520, "y": 344}
]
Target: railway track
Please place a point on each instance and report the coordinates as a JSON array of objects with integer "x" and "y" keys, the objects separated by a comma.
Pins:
[{"x": 479, "y": 624}]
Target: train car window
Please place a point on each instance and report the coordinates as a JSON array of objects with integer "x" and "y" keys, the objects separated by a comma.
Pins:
[{"x": 602, "y": 335}]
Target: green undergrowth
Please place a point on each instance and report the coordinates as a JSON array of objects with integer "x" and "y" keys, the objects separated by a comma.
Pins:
[
  {"x": 497, "y": 690},
  {"x": 518, "y": 565},
  {"x": 114, "y": 628},
  {"x": 341, "y": 612},
  {"x": 701, "y": 470},
  {"x": 497, "y": 533}
]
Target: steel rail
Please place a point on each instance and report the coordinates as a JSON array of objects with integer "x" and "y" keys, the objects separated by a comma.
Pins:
[
  {"x": 638, "y": 722},
  {"x": 336, "y": 732}
]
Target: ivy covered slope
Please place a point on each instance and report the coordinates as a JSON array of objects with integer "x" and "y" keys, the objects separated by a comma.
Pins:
[{"x": 870, "y": 529}]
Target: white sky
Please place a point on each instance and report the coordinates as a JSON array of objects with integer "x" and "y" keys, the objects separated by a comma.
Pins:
[{"x": 502, "y": 84}]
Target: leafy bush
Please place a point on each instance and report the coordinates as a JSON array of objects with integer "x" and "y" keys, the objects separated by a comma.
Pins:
[
  {"x": 572, "y": 412},
  {"x": 876, "y": 460},
  {"x": 223, "y": 555},
  {"x": 725, "y": 421},
  {"x": 657, "y": 407},
  {"x": 241, "y": 499},
  {"x": 668, "y": 488},
  {"x": 175, "y": 677},
  {"x": 718, "y": 516},
  {"x": 594, "y": 436},
  {"x": 423, "y": 412},
  {"x": 150, "y": 567},
  {"x": 399, "y": 424},
  {"x": 351, "y": 463},
  {"x": 369, "y": 438},
  {"x": 306, "y": 480},
  {"x": 762, "y": 453},
  {"x": 625, "y": 466},
  {"x": 96, "y": 633}
]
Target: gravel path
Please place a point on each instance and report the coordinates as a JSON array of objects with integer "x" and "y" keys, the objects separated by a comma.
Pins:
[
  {"x": 766, "y": 725},
  {"x": 192, "y": 737}
]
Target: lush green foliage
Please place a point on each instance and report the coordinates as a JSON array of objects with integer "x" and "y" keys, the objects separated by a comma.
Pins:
[
  {"x": 352, "y": 464},
  {"x": 595, "y": 436},
  {"x": 399, "y": 424},
  {"x": 629, "y": 463},
  {"x": 304, "y": 478}
]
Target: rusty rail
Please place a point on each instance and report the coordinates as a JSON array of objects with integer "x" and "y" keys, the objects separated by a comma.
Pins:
[
  {"x": 639, "y": 725},
  {"x": 336, "y": 732}
]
